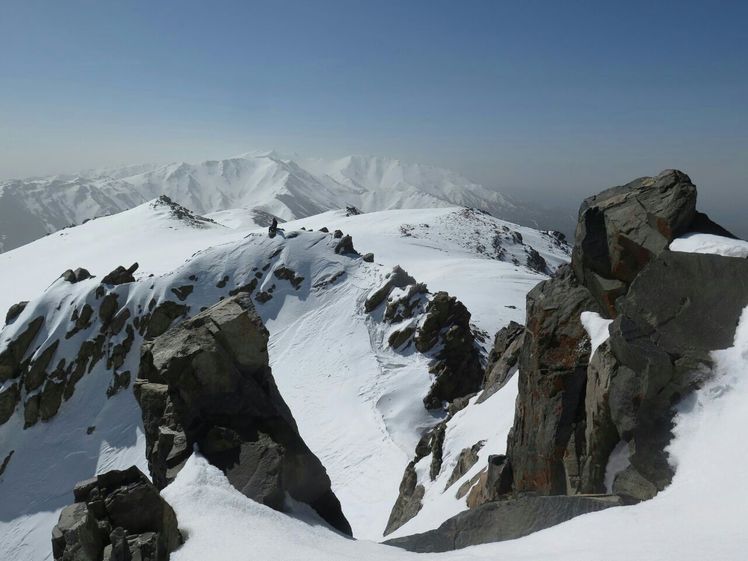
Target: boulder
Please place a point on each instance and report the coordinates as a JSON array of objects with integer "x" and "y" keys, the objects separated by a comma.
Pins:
[
  {"x": 117, "y": 515},
  {"x": 207, "y": 382},
  {"x": 502, "y": 520},
  {"x": 621, "y": 229},
  {"x": 15, "y": 350},
  {"x": 368, "y": 257}
]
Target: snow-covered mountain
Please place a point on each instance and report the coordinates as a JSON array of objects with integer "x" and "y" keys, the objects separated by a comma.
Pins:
[
  {"x": 358, "y": 404},
  {"x": 285, "y": 187},
  {"x": 356, "y": 346}
]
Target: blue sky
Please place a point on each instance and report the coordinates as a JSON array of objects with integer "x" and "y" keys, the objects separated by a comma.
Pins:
[{"x": 547, "y": 100}]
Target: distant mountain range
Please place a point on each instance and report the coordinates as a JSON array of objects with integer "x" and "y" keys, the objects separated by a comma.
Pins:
[{"x": 267, "y": 182}]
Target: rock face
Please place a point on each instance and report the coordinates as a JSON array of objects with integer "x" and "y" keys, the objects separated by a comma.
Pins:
[
  {"x": 118, "y": 515},
  {"x": 502, "y": 359},
  {"x": 457, "y": 365},
  {"x": 14, "y": 311},
  {"x": 623, "y": 228},
  {"x": 552, "y": 378},
  {"x": 502, "y": 520},
  {"x": 671, "y": 310},
  {"x": 207, "y": 382}
]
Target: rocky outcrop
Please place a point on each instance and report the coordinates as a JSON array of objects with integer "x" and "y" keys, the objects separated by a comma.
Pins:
[
  {"x": 409, "y": 500},
  {"x": 502, "y": 359},
  {"x": 207, "y": 382},
  {"x": 552, "y": 378},
  {"x": 118, "y": 515},
  {"x": 14, "y": 311},
  {"x": 679, "y": 308},
  {"x": 621, "y": 229},
  {"x": 345, "y": 246},
  {"x": 120, "y": 275},
  {"x": 80, "y": 274},
  {"x": 457, "y": 367},
  {"x": 502, "y": 520},
  {"x": 671, "y": 310}
]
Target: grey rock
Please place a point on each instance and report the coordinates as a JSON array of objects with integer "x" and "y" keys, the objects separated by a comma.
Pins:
[
  {"x": 398, "y": 278},
  {"x": 9, "y": 398},
  {"x": 467, "y": 458},
  {"x": 552, "y": 380},
  {"x": 456, "y": 366},
  {"x": 502, "y": 359},
  {"x": 290, "y": 275},
  {"x": 345, "y": 246},
  {"x": 368, "y": 257},
  {"x": 218, "y": 382},
  {"x": 621, "y": 229},
  {"x": 409, "y": 501},
  {"x": 502, "y": 520},
  {"x": 15, "y": 350},
  {"x": 14, "y": 311},
  {"x": 120, "y": 275}
]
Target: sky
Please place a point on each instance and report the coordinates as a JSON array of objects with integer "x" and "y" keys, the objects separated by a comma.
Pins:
[{"x": 547, "y": 101}]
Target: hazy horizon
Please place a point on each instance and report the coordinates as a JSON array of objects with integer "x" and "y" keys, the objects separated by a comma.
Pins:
[{"x": 544, "y": 101}]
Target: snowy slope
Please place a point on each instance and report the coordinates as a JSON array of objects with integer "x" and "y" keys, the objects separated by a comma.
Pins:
[
  {"x": 358, "y": 404},
  {"x": 269, "y": 182}
]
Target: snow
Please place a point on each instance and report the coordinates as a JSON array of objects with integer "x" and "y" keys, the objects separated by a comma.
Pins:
[
  {"x": 709, "y": 243},
  {"x": 596, "y": 327}
]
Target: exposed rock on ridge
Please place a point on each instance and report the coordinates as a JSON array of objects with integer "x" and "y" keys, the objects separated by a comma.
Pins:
[{"x": 207, "y": 382}]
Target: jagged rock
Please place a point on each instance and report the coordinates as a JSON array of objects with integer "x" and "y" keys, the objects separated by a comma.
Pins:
[
  {"x": 118, "y": 515},
  {"x": 465, "y": 460},
  {"x": 535, "y": 261},
  {"x": 398, "y": 278},
  {"x": 14, "y": 311},
  {"x": 162, "y": 317},
  {"x": 182, "y": 292},
  {"x": 621, "y": 229},
  {"x": 107, "y": 309},
  {"x": 502, "y": 359},
  {"x": 119, "y": 321},
  {"x": 405, "y": 307},
  {"x": 89, "y": 354},
  {"x": 9, "y": 398},
  {"x": 502, "y": 520},
  {"x": 345, "y": 246},
  {"x": 219, "y": 392},
  {"x": 51, "y": 398},
  {"x": 120, "y": 275},
  {"x": 457, "y": 367},
  {"x": 31, "y": 410},
  {"x": 494, "y": 482},
  {"x": 552, "y": 377},
  {"x": 337, "y": 234},
  {"x": 409, "y": 501},
  {"x": 37, "y": 371},
  {"x": 77, "y": 535},
  {"x": 436, "y": 443},
  {"x": 352, "y": 211},
  {"x": 12, "y": 356},
  {"x": 81, "y": 320},
  {"x": 324, "y": 229},
  {"x": 679, "y": 308},
  {"x": 368, "y": 257},
  {"x": 290, "y": 275}
]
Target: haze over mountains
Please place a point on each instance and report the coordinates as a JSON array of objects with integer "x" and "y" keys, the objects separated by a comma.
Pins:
[{"x": 288, "y": 188}]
